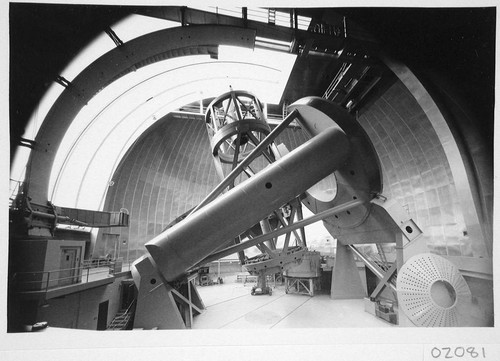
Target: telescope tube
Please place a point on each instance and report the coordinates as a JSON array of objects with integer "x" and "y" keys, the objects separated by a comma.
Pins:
[{"x": 188, "y": 242}]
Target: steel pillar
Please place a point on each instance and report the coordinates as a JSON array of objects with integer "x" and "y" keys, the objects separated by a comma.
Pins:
[
  {"x": 157, "y": 299},
  {"x": 346, "y": 281}
]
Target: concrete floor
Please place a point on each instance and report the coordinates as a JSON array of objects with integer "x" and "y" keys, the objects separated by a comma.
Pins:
[{"x": 230, "y": 305}]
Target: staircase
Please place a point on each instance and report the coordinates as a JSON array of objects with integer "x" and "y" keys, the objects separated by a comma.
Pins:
[{"x": 122, "y": 319}]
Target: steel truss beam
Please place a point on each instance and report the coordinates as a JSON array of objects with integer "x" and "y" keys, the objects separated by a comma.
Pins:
[
  {"x": 303, "y": 286},
  {"x": 385, "y": 281}
]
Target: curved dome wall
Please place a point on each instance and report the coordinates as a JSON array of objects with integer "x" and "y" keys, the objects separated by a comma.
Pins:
[
  {"x": 166, "y": 173},
  {"x": 417, "y": 173}
]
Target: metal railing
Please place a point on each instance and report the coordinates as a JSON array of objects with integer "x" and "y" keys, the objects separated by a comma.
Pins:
[
  {"x": 91, "y": 270},
  {"x": 96, "y": 263},
  {"x": 122, "y": 319}
]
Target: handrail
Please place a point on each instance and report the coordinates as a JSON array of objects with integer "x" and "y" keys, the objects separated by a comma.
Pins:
[
  {"x": 15, "y": 190},
  {"x": 121, "y": 316},
  {"x": 45, "y": 280},
  {"x": 96, "y": 263},
  {"x": 129, "y": 307}
]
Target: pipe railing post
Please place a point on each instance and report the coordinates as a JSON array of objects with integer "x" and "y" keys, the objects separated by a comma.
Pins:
[{"x": 48, "y": 278}]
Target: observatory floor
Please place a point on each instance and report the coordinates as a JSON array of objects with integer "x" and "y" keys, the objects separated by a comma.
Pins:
[{"x": 230, "y": 305}]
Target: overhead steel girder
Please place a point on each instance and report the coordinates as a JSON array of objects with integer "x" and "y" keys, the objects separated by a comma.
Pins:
[
  {"x": 362, "y": 42},
  {"x": 139, "y": 52}
]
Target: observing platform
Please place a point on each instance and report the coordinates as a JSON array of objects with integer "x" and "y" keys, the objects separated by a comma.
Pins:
[{"x": 59, "y": 282}]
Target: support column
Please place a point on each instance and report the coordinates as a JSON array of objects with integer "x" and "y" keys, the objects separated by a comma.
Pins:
[
  {"x": 155, "y": 302},
  {"x": 346, "y": 281}
]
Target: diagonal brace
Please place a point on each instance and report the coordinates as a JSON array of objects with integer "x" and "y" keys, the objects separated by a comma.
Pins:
[{"x": 384, "y": 281}]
